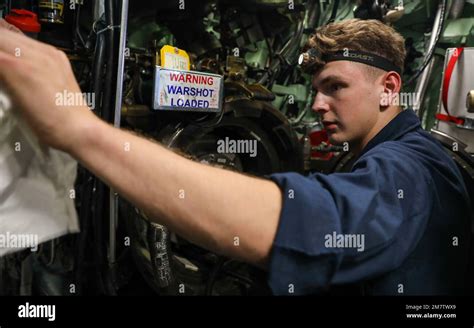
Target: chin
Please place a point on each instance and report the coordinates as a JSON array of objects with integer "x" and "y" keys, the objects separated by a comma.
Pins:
[{"x": 336, "y": 139}]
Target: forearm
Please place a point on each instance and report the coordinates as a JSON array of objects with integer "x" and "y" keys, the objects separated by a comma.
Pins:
[
  {"x": 220, "y": 210},
  {"x": 223, "y": 211}
]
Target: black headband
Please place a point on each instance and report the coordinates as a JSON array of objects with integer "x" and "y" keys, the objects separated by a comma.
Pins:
[{"x": 364, "y": 58}]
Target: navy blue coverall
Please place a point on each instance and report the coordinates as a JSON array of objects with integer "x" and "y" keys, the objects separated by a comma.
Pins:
[{"x": 404, "y": 198}]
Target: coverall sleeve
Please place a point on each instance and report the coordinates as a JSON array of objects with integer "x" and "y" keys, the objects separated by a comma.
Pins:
[{"x": 385, "y": 202}]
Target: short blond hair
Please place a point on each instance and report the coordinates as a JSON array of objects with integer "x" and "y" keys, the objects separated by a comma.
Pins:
[{"x": 371, "y": 36}]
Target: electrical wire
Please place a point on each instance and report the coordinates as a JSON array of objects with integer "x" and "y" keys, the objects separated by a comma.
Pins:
[
  {"x": 212, "y": 125},
  {"x": 219, "y": 269},
  {"x": 431, "y": 52},
  {"x": 213, "y": 275},
  {"x": 332, "y": 18},
  {"x": 77, "y": 27}
]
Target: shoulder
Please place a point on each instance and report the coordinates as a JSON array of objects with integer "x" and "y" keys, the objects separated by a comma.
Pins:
[
  {"x": 395, "y": 154},
  {"x": 416, "y": 155},
  {"x": 402, "y": 160},
  {"x": 416, "y": 146}
]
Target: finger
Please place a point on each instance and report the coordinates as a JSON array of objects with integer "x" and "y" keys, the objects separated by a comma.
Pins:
[{"x": 19, "y": 45}]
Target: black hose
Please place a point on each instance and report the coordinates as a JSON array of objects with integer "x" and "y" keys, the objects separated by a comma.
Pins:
[
  {"x": 89, "y": 180},
  {"x": 239, "y": 277},
  {"x": 431, "y": 52},
  {"x": 217, "y": 118},
  {"x": 109, "y": 99},
  {"x": 290, "y": 47},
  {"x": 332, "y": 18},
  {"x": 83, "y": 237},
  {"x": 98, "y": 72},
  {"x": 77, "y": 30},
  {"x": 315, "y": 13},
  {"x": 99, "y": 243},
  {"x": 214, "y": 274},
  {"x": 107, "y": 113}
]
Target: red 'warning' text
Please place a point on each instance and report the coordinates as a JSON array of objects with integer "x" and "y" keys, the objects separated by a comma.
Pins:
[{"x": 190, "y": 78}]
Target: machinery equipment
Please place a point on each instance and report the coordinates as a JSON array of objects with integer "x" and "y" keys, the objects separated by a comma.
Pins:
[{"x": 119, "y": 48}]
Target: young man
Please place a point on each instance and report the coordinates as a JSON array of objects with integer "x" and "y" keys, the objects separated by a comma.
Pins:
[{"x": 396, "y": 224}]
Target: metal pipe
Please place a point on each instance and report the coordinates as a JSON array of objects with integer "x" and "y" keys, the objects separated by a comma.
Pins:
[
  {"x": 456, "y": 8},
  {"x": 98, "y": 9},
  {"x": 97, "y": 71},
  {"x": 421, "y": 86},
  {"x": 422, "y": 82},
  {"x": 312, "y": 15},
  {"x": 113, "y": 220}
]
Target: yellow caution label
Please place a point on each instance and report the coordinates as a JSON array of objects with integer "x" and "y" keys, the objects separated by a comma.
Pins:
[{"x": 174, "y": 58}]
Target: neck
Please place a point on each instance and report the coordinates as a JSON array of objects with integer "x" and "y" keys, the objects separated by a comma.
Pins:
[{"x": 384, "y": 118}]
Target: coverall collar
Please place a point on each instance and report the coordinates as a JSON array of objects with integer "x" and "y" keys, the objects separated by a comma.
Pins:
[{"x": 403, "y": 123}]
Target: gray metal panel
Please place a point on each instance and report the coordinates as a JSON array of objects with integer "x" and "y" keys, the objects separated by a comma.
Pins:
[{"x": 462, "y": 81}]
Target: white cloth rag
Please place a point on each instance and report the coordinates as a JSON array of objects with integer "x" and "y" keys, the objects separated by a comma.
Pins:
[{"x": 36, "y": 187}]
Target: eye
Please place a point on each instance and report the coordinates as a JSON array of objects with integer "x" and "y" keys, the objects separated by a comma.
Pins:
[{"x": 335, "y": 87}]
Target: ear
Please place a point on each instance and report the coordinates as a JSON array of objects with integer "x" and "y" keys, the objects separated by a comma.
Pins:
[{"x": 392, "y": 84}]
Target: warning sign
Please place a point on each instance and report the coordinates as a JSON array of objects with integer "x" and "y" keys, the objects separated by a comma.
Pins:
[{"x": 187, "y": 90}]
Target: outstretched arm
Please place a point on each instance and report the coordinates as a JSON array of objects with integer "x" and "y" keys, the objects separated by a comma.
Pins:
[{"x": 222, "y": 211}]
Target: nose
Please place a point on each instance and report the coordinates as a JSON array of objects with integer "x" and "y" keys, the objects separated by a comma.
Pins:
[{"x": 320, "y": 104}]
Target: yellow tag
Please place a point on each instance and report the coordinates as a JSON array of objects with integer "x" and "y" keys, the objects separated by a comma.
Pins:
[{"x": 174, "y": 58}]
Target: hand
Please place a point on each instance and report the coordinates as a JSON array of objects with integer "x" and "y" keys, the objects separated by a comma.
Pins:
[
  {"x": 8, "y": 26},
  {"x": 34, "y": 74}
]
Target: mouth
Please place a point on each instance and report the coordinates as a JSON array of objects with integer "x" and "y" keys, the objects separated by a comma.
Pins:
[{"x": 330, "y": 125}]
